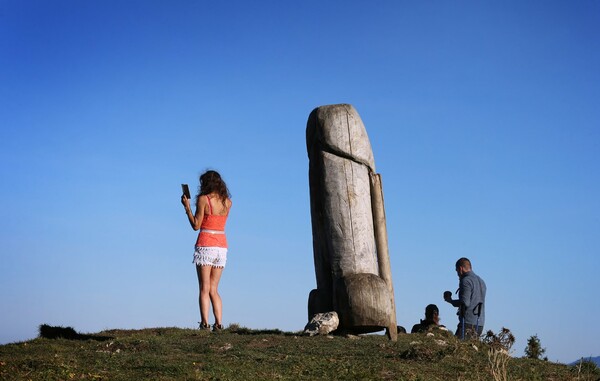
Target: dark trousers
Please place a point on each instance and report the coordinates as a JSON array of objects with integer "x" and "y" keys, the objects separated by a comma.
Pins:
[{"x": 470, "y": 332}]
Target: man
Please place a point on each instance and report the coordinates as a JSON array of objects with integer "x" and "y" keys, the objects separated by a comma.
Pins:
[
  {"x": 432, "y": 320},
  {"x": 470, "y": 302}
]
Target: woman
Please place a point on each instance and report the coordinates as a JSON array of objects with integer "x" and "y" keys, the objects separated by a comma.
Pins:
[{"x": 212, "y": 208}]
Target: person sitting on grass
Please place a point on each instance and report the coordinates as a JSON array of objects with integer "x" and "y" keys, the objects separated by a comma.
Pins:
[{"x": 432, "y": 320}]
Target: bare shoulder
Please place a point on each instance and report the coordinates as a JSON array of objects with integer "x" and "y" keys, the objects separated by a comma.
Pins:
[{"x": 202, "y": 200}]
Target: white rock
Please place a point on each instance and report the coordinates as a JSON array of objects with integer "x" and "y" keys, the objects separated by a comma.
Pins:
[{"x": 322, "y": 324}]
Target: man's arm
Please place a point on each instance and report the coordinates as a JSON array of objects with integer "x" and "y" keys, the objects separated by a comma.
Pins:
[{"x": 465, "y": 292}]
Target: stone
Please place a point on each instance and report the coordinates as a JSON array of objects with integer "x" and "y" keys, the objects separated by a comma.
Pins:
[{"x": 322, "y": 324}]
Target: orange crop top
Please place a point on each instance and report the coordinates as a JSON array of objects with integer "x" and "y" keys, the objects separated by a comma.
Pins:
[{"x": 212, "y": 222}]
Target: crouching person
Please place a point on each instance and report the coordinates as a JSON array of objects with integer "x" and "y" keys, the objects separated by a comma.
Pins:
[{"x": 432, "y": 320}]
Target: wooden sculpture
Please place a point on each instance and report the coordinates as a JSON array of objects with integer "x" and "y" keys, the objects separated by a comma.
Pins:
[{"x": 348, "y": 222}]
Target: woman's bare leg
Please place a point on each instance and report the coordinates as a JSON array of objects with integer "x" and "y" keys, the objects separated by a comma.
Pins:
[
  {"x": 215, "y": 298},
  {"x": 204, "y": 292}
]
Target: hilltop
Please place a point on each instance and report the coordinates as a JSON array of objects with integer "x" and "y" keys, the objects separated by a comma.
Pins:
[{"x": 242, "y": 354}]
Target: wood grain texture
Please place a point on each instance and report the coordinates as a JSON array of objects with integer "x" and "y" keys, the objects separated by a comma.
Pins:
[{"x": 347, "y": 268}]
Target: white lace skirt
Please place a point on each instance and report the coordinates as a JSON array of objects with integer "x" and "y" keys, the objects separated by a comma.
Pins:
[{"x": 210, "y": 256}]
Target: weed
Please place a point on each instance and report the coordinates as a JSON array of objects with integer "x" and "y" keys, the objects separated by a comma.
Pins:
[
  {"x": 587, "y": 371},
  {"x": 499, "y": 347}
]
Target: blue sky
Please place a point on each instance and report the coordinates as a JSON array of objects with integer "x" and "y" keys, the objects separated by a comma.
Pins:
[{"x": 484, "y": 120}]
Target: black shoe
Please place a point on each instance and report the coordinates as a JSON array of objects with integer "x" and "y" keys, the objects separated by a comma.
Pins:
[
  {"x": 217, "y": 327},
  {"x": 203, "y": 326}
]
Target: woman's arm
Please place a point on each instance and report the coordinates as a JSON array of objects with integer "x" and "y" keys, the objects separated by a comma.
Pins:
[{"x": 194, "y": 219}]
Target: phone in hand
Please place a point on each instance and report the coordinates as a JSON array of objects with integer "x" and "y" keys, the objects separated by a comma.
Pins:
[{"x": 186, "y": 190}]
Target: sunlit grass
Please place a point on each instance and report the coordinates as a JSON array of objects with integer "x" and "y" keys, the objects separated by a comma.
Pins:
[{"x": 239, "y": 353}]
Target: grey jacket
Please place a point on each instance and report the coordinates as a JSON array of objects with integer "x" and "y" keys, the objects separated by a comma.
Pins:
[{"x": 471, "y": 292}]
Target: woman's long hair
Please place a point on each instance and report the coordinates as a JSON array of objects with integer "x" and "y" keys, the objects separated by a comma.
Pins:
[{"x": 211, "y": 182}]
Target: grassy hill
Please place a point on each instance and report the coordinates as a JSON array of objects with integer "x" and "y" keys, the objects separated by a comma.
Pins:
[{"x": 242, "y": 354}]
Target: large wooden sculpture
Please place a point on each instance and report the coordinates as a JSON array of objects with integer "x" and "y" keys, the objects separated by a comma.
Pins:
[{"x": 348, "y": 223}]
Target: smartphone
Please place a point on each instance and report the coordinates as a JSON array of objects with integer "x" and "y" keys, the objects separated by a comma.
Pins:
[{"x": 186, "y": 190}]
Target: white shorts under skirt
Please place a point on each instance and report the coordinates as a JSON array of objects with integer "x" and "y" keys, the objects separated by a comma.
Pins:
[{"x": 210, "y": 256}]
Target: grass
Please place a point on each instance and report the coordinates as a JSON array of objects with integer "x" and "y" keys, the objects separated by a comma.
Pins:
[{"x": 238, "y": 353}]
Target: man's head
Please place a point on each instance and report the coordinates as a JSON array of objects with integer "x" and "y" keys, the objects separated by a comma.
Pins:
[
  {"x": 432, "y": 313},
  {"x": 463, "y": 266}
]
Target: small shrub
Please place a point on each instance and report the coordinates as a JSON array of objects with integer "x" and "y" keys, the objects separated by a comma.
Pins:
[
  {"x": 54, "y": 332},
  {"x": 587, "y": 370},
  {"x": 499, "y": 347},
  {"x": 233, "y": 327},
  {"x": 534, "y": 348}
]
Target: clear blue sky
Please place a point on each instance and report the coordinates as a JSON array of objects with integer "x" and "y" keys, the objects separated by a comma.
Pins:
[{"x": 484, "y": 119}]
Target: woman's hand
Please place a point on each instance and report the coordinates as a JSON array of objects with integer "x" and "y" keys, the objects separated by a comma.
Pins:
[
  {"x": 195, "y": 219},
  {"x": 185, "y": 201}
]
